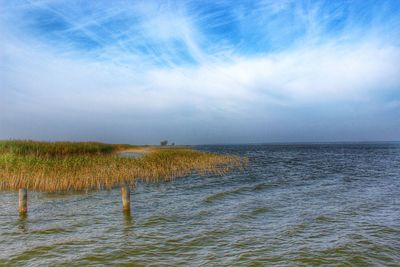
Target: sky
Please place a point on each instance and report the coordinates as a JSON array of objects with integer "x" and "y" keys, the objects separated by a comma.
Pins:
[{"x": 200, "y": 72}]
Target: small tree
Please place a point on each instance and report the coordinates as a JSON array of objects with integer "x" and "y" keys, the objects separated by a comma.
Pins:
[{"x": 164, "y": 143}]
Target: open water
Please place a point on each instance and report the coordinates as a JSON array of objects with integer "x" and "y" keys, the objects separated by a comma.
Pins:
[{"x": 314, "y": 204}]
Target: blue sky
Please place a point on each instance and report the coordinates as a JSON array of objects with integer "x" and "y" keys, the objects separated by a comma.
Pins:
[{"x": 200, "y": 71}]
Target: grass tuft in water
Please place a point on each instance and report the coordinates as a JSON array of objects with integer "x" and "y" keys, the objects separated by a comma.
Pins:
[{"x": 83, "y": 166}]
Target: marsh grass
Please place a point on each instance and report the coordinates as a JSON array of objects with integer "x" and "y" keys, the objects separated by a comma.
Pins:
[
  {"x": 68, "y": 166},
  {"x": 58, "y": 149}
]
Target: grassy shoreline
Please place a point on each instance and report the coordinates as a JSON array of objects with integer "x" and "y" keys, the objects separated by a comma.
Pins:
[{"x": 85, "y": 166}]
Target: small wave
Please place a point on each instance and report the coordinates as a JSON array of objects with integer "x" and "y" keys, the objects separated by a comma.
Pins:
[
  {"x": 155, "y": 220},
  {"x": 237, "y": 191},
  {"x": 324, "y": 219},
  {"x": 50, "y": 231},
  {"x": 221, "y": 195},
  {"x": 254, "y": 213},
  {"x": 261, "y": 210},
  {"x": 34, "y": 252},
  {"x": 293, "y": 230}
]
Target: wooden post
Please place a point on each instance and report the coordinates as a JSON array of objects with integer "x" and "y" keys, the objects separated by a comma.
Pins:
[
  {"x": 126, "y": 197},
  {"x": 23, "y": 201}
]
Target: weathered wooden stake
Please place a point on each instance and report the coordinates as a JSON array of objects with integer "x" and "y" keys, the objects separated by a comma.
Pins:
[
  {"x": 126, "y": 197},
  {"x": 23, "y": 201}
]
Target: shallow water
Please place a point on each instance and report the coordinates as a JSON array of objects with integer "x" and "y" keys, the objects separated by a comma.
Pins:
[{"x": 294, "y": 205}]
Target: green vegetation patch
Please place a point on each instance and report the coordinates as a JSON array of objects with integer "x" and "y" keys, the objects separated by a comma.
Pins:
[
  {"x": 52, "y": 149},
  {"x": 68, "y": 166}
]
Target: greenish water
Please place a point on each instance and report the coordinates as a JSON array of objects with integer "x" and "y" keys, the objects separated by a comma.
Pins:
[{"x": 294, "y": 205}]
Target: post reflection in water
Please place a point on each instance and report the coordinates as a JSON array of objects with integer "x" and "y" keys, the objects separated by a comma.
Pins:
[
  {"x": 22, "y": 222},
  {"x": 128, "y": 219}
]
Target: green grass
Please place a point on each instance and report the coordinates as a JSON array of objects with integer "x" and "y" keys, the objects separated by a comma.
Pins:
[
  {"x": 35, "y": 148},
  {"x": 69, "y": 166}
]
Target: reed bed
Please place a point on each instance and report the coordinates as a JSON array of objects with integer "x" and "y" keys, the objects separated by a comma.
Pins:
[
  {"x": 59, "y": 167},
  {"x": 58, "y": 149}
]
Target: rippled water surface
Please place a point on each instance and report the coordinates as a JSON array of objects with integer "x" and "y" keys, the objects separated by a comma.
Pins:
[{"x": 294, "y": 205}]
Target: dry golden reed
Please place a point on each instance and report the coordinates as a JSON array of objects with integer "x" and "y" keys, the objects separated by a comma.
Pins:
[{"x": 56, "y": 167}]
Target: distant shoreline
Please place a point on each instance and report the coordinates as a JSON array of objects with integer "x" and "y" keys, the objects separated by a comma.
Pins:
[{"x": 306, "y": 143}]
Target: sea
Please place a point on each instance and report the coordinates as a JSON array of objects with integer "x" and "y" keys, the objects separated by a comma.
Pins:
[{"x": 293, "y": 205}]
